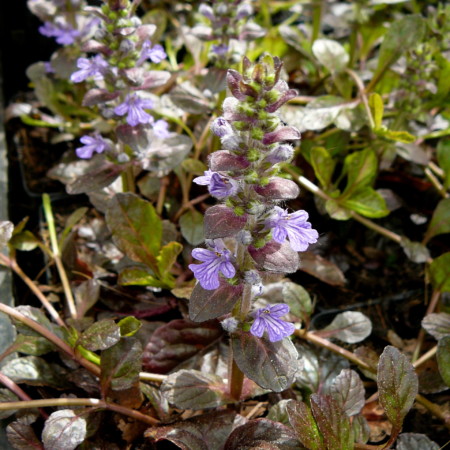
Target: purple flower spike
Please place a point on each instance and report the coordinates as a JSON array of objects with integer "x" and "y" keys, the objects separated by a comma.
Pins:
[
  {"x": 268, "y": 319},
  {"x": 215, "y": 260},
  {"x": 94, "y": 67},
  {"x": 293, "y": 226},
  {"x": 222, "y": 187},
  {"x": 155, "y": 54},
  {"x": 92, "y": 144},
  {"x": 133, "y": 107},
  {"x": 64, "y": 34}
]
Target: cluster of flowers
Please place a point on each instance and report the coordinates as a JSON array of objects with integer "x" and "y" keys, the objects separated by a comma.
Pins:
[
  {"x": 228, "y": 21},
  {"x": 121, "y": 74},
  {"x": 243, "y": 175}
]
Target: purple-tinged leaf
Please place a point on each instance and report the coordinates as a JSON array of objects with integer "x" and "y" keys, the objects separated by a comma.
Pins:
[
  {"x": 304, "y": 425},
  {"x": 275, "y": 257},
  {"x": 224, "y": 160},
  {"x": 437, "y": 324},
  {"x": 278, "y": 189},
  {"x": 191, "y": 389},
  {"x": 282, "y": 134},
  {"x": 96, "y": 96},
  {"x": 138, "y": 137},
  {"x": 298, "y": 299},
  {"x": 191, "y": 227},
  {"x": 220, "y": 221},
  {"x": 153, "y": 79},
  {"x": 22, "y": 436},
  {"x": 234, "y": 79},
  {"x": 440, "y": 222},
  {"x": 440, "y": 272},
  {"x": 64, "y": 430},
  {"x": 33, "y": 345},
  {"x": 86, "y": 296},
  {"x": 176, "y": 342},
  {"x": 136, "y": 228},
  {"x": 262, "y": 434},
  {"x": 443, "y": 359},
  {"x": 348, "y": 390},
  {"x": 35, "y": 371},
  {"x": 361, "y": 429},
  {"x": 279, "y": 412},
  {"x": 204, "y": 432},
  {"x": 289, "y": 95},
  {"x": 206, "y": 305},
  {"x": 415, "y": 441},
  {"x": 321, "y": 268},
  {"x": 100, "y": 335},
  {"x": 36, "y": 315},
  {"x": 349, "y": 327},
  {"x": 333, "y": 424},
  {"x": 7, "y": 396},
  {"x": 101, "y": 174},
  {"x": 397, "y": 385},
  {"x": 120, "y": 365},
  {"x": 190, "y": 99},
  {"x": 271, "y": 365},
  {"x": 370, "y": 357}
]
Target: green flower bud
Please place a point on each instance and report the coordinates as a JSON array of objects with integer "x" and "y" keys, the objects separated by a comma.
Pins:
[
  {"x": 262, "y": 103},
  {"x": 264, "y": 181},
  {"x": 253, "y": 155},
  {"x": 239, "y": 125},
  {"x": 259, "y": 243},
  {"x": 257, "y": 133},
  {"x": 252, "y": 177},
  {"x": 239, "y": 211},
  {"x": 271, "y": 96}
]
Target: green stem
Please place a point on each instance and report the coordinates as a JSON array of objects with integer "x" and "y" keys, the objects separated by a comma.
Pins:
[
  {"x": 68, "y": 402},
  {"x": 362, "y": 93},
  {"x": 316, "y": 20},
  {"x": 57, "y": 255}
]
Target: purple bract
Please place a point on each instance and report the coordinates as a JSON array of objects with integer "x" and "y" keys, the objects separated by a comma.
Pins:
[{"x": 268, "y": 319}]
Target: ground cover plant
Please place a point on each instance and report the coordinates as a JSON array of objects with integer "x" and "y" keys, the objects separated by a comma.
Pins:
[{"x": 244, "y": 229}]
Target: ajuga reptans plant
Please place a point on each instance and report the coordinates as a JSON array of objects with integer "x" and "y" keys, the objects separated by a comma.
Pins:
[{"x": 248, "y": 234}]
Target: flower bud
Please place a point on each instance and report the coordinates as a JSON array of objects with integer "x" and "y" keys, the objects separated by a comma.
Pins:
[
  {"x": 281, "y": 153},
  {"x": 244, "y": 237},
  {"x": 244, "y": 10},
  {"x": 206, "y": 11},
  {"x": 220, "y": 127},
  {"x": 126, "y": 46},
  {"x": 230, "y": 324},
  {"x": 230, "y": 142}
]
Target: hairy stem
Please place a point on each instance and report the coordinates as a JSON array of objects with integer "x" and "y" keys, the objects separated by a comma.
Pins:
[{"x": 68, "y": 402}]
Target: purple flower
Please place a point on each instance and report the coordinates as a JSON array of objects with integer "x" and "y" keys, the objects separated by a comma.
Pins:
[
  {"x": 133, "y": 107},
  {"x": 268, "y": 319},
  {"x": 220, "y": 50},
  {"x": 222, "y": 187},
  {"x": 215, "y": 260},
  {"x": 156, "y": 53},
  {"x": 92, "y": 144},
  {"x": 64, "y": 33},
  {"x": 161, "y": 129},
  {"x": 220, "y": 127},
  {"x": 205, "y": 179},
  {"x": 293, "y": 226},
  {"x": 94, "y": 67}
]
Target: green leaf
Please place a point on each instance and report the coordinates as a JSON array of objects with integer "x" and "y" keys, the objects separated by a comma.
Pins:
[
  {"x": 64, "y": 430},
  {"x": 139, "y": 276},
  {"x": 168, "y": 256},
  {"x": 361, "y": 169},
  {"x": 361, "y": 429},
  {"x": 191, "y": 226},
  {"x": 348, "y": 390},
  {"x": 129, "y": 326},
  {"x": 397, "y": 385},
  {"x": 398, "y": 136},
  {"x": 332, "y": 422},
  {"x": 100, "y": 335},
  {"x": 191, "y": 389},
  {"x": 443, "y": 359},
  {"x": 440, "y": 222},
  {"x": 24, "y": 241},
  {"x": 298, "y": 299},
  {"x": 33, "y": 345},
  {"x": 377, "y": 108},
  {"x": 437, "y": 324},
  {"x": 193, "y": 166},
  {"x": 323, "y": 165},
  {"x": 72, "y": 220},
  {"x": 120, "y": 365},
  {"x": 443, "y": 157},
  {"x": 349, "y": 327},
  {"x": 440, "y": 272},
  {"x": 402, "y": 35},
  {"x": 304, "y": 425},
  {"x": 330, "y": 54},
  {"x": 136, "y": 228},
  {"x": 271, "y": 365},
  {"x": 367, "y": 202}
]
